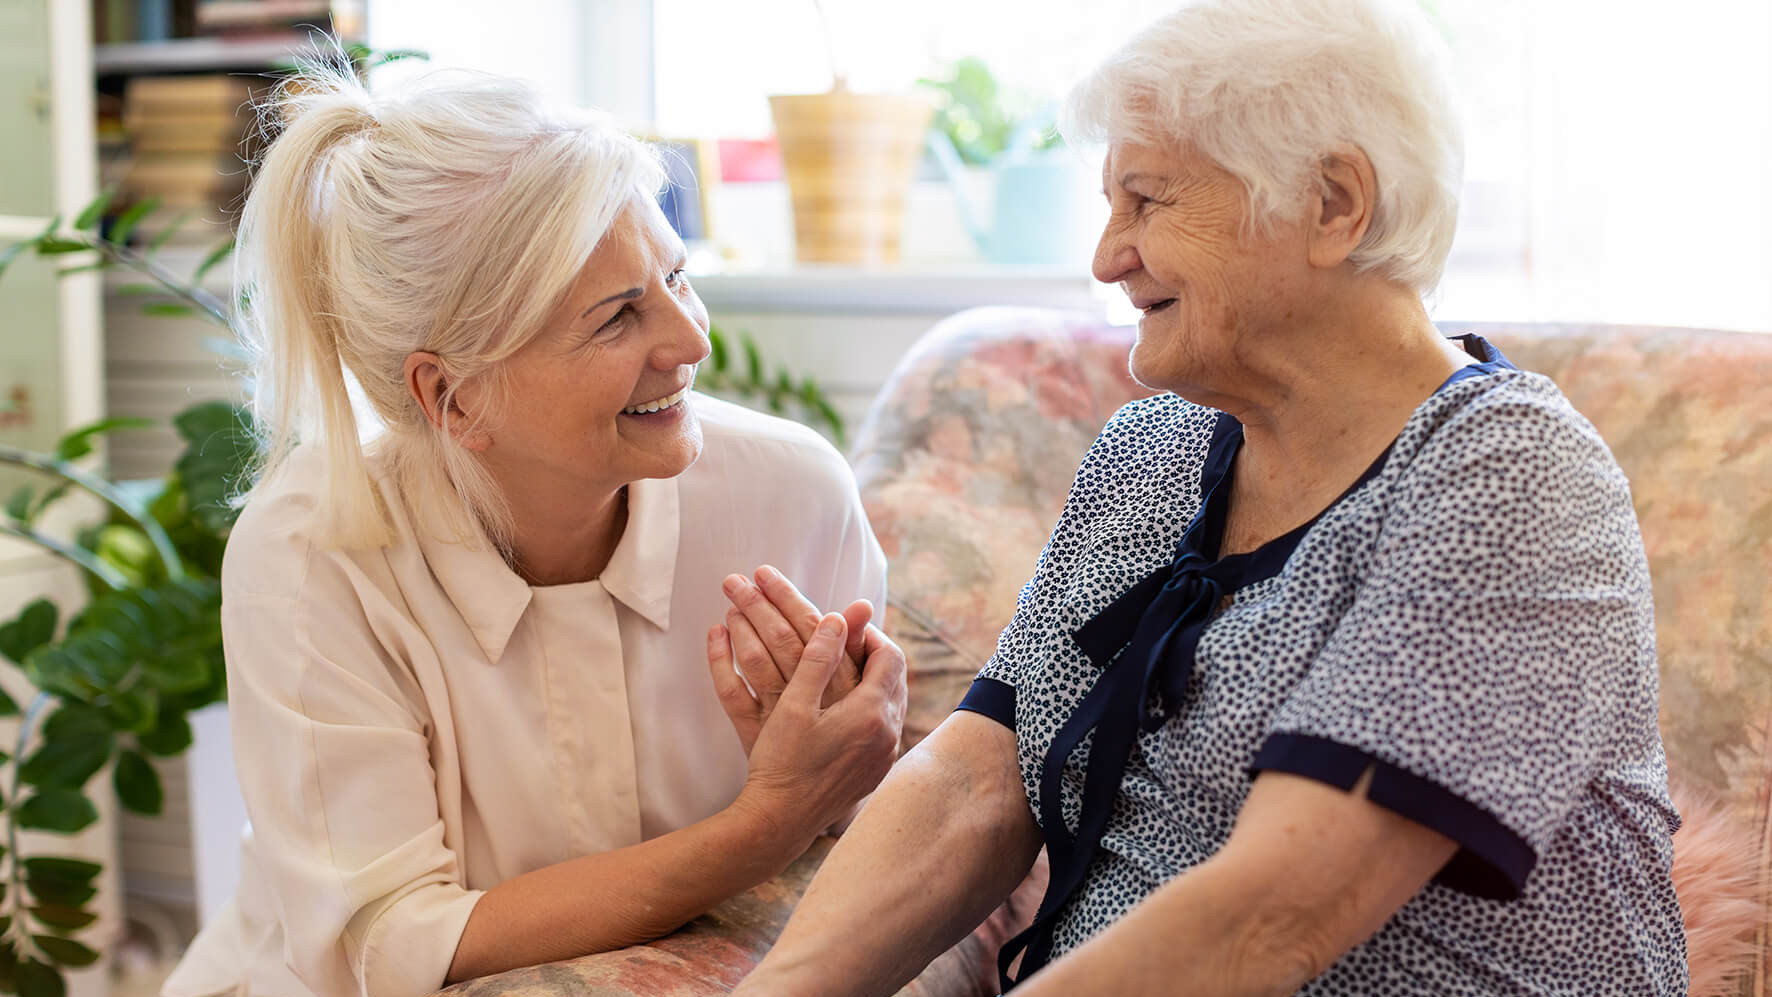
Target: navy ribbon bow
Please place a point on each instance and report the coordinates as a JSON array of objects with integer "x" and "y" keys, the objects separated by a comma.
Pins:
[
  {"x": 1157, "y": 623},
  {"x": 1144, "y": 642}
]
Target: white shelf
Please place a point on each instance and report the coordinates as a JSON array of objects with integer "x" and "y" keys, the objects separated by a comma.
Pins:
[
  {"x": 897, "y": 290},
  {"x": 180, "y": 54}
]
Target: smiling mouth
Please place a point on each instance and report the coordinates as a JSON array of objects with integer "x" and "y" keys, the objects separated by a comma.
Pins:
[
  {"x": 657, "y": 404},
  {"x": 1153, "y": 309}
]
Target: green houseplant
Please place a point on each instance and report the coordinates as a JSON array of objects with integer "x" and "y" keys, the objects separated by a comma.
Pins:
[{"x": 116, "y": 680}]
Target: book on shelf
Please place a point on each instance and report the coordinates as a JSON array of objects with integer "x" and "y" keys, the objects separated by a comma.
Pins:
[
  {"x": 344, "y": 17},
  {"x": 188, "y": 145},
  {"x": 122, "y": 21},
  {"x": 208, "y": 93}
]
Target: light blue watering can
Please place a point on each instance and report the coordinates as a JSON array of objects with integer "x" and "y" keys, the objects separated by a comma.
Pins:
[{"x": 1038, "y": 216}]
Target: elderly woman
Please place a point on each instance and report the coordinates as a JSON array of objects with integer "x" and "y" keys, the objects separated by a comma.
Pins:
[
  {"x": 465, "y": 660},
  {"x": 1337, "y": 675}
]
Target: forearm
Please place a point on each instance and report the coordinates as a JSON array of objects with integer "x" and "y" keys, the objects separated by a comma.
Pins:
[
  {"x": 1310, "y": 871},
  {"x": 623, "y": 897},
  {"x": 945, "y": 839},
  {"x": 1213, "y": 931}
]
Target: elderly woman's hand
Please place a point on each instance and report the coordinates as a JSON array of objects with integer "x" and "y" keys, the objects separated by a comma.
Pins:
[
  {"x": 767, "y": 630},
  {"x": 810, "y": 765}
]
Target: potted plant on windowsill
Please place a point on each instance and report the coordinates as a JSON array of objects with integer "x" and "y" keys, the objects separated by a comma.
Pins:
[
  {"x": 849, "y": 158},
  {"x": 1038, "y": 213}
]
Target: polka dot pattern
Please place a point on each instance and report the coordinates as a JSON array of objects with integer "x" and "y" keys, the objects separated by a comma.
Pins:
[{"x": 1477, "y": 614}]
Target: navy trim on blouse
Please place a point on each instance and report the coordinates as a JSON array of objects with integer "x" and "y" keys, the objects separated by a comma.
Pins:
[
  {"x": 1492, "y": 861},
  {"x": 1144, "y": 642},
  {"x": 993, "y": 699}
]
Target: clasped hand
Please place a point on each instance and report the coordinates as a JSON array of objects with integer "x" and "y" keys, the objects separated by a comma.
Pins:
[{"x": 818, "y": 701}]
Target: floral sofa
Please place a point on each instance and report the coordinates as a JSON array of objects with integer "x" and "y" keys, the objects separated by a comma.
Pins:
[{"x": 965, "y": 462}]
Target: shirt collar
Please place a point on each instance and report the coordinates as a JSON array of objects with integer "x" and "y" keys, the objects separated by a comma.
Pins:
[
  {"x": 489, "y": 596},
  {"x": 641, "y": 571},
  {"x": 492, "y": 598}
]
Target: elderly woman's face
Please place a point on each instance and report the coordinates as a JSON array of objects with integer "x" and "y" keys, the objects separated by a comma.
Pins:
[
  {"x": 1175, "y": 242},
  {"x": 600, "y": 398}
]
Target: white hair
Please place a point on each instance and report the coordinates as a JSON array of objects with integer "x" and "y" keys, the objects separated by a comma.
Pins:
[
  {"x": 450, "y": 216},
  {"x": 1267, "y": 88}
]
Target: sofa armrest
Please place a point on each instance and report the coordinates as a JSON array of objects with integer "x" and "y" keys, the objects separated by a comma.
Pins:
[{"x": 712, "y": 953}]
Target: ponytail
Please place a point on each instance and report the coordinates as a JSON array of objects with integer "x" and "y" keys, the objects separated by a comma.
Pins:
[{"x": 289, "y": 319}]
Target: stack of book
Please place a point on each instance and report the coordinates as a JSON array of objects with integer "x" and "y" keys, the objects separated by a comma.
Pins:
[{"x": 188, "y": 148}]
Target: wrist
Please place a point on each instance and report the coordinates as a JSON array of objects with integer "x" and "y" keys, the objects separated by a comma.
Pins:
[{"x": 766, "y": 830}]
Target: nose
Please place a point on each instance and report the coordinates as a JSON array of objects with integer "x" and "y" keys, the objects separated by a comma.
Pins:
[
  {"x": 686, "y": 342},
  {"x": 1115, "y": 255}
]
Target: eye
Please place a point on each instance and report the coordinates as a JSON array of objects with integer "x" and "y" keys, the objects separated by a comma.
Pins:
[
  {"x": 676, "y": 277},
  {"x": 617, "y": 319}
]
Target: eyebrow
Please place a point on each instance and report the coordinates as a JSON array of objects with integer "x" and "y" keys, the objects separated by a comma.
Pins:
[
  {"x": 1138, "y": 175},
  {"x": 627, "y": 295},
  {"x": 636, "y": 292}
]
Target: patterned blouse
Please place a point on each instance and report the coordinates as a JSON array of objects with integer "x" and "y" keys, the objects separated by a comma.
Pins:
[{"x": 1471, "y": 620}]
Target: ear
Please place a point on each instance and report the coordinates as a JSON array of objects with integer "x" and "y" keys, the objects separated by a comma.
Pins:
[
  {"x": 429, "y": 387},
  {"x": 1347, "y": 190}
]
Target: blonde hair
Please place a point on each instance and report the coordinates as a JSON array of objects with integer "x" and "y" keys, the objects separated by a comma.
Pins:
[
  {"x": 450, "y": 216},
  {"x": 1267, "y": 88}
]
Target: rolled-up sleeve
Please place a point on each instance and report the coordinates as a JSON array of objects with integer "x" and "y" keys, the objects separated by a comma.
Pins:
[{"x": 331, "y": 742}]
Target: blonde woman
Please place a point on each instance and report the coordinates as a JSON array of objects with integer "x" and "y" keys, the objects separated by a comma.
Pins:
[{"x": 472, "y": 722}]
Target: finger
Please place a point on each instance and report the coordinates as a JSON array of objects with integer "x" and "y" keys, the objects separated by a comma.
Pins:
[
  {"x": 818, "y": 664},
  {"x": 735, "y": 699},
  {"x": 799, "y": 611},
  {"x": 754, "y": 660},
  {"x": 858, "y": 615},
  {"x": 783, "y": 642},
  {"x": 883, "y": 665}
]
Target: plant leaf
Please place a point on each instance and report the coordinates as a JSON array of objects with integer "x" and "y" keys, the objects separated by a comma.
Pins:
[
  {"x": 64, "y": 916},
  {"x": 49, "y": 868},
  {"x": 18, "y": 505},
  {"x": 78, "y": 443},
  {"x": 76, "y": 720},
  {"x": 95, "y": 209},
  {"x": 170, "y": 736},
  {"x": 132, "y": 216},
  {"x": 64, "y": 810},
  {"x": 717, "y": 352},
  {"x": 57, "y": 246},
  {"x": 65, "y": 951},
  {"x": 48, "y": 499},
  {"x": 138, "y": 784},
  {"x": 168, "y": 309},
  {"x": 36, "y": 979},
  {"x": 753, "y": 360},
  {"x": 220, "y": 453},
  {"x": 135, "y": 710},
  {"x": 137, "y": 289},
  {"x": 67, "y": 763},
  {"x": 215, "y": 256},
  {"x": 31, "y": 629}
]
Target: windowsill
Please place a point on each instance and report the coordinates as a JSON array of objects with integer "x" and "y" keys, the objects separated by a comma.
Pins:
[{"x": 910, "y": 289}]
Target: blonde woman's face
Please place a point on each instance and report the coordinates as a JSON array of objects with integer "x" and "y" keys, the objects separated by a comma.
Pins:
[{"x": 601, "y": 397}]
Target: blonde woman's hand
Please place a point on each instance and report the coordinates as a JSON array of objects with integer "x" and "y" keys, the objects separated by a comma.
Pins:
[
  {"x": 768, "y": 626},
  {"x": 810, "y": 765}
]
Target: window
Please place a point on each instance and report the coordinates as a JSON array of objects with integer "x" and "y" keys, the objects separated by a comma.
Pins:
[{"x": 1618, "y": 154}]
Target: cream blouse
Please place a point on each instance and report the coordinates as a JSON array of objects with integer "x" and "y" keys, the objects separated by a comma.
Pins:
[{"x": 416, "y": 724}]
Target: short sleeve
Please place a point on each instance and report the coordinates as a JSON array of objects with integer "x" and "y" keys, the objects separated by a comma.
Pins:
[
  {"x": 332, "y": 749},
  {"x": 1498, "y": 644}
]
